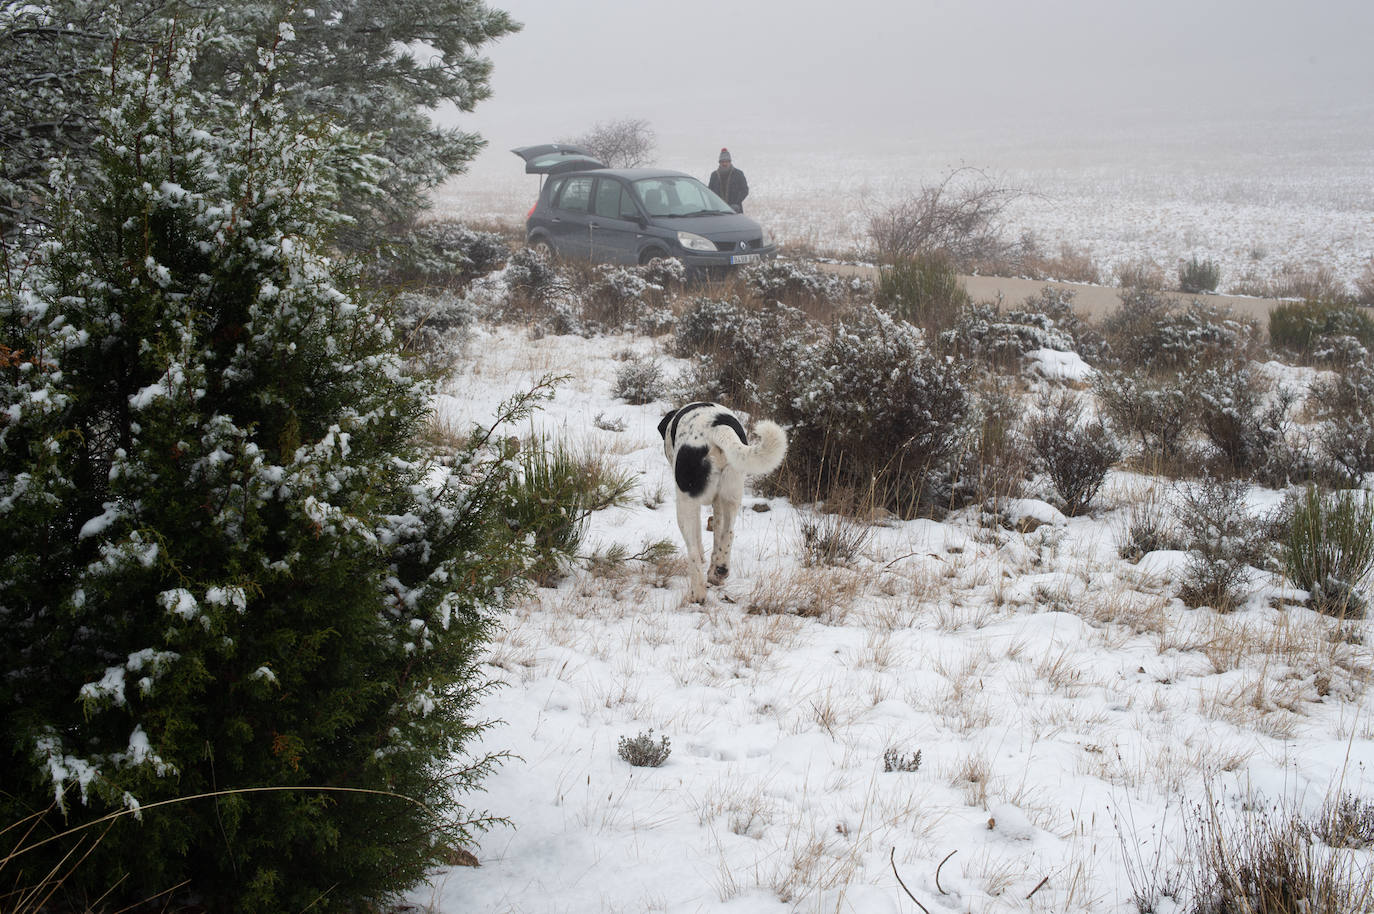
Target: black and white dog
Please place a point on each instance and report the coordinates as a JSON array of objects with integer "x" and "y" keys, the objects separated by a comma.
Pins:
[{"x": 710, "y": 455}]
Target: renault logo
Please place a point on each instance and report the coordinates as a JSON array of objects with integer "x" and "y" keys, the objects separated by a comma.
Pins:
[{"x": 743, "y": 245}]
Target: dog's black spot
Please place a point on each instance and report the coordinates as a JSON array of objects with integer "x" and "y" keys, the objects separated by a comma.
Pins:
[
  {"x": 692, "y": 470},
  {"x": 730, "y": 421},
  {"x": 677, "y": 417},
  {"x": 722, "y": 571}
]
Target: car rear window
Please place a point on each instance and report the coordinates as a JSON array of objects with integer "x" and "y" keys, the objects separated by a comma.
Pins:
[{"x": 576, "y": 195}]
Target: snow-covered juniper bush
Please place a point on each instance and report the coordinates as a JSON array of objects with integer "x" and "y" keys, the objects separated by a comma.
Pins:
[{"x": 225, "y": 565}]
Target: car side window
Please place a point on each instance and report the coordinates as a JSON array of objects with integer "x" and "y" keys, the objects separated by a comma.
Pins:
[
  {"x": 576, "y": 195},
  {"x": 609, "y": 194}
]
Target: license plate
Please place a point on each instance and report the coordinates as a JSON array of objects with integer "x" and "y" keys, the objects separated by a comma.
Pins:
[{"x": 743, "y": 258}]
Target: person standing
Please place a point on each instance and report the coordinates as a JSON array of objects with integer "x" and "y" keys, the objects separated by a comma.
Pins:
[{"x": 728, "y": 183}]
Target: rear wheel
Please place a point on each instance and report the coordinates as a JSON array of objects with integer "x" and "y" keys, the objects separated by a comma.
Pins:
[{"x": 546, "y": 249}]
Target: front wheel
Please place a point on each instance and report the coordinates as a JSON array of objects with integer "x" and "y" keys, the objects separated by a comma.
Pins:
[
  {"x": 650, "y": 255},
  {"x": 545, "y": 249}
]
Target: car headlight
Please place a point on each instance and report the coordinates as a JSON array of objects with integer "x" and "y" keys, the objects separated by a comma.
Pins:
[
  {"x": 694, "y": 242},
  {"x": 767, "y": 239}
]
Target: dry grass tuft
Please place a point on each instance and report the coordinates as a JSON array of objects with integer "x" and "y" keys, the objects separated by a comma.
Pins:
[{"x": 813, "y": 593}]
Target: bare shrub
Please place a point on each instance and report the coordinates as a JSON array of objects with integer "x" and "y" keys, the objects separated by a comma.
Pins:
[
  {"x": 1265, "y": 861},
  {"x": 624, "y": 143},
  {"x": 959, "y": 217},
  {"x": 626, "y": 298},
  {"x": 895, "y": 760},
  {"x": 1157, "y": 410},
  {"x": 1224, "y": 539},
  {"x": 997, "y": 463},
  {"x": 1069, "y": 265},
  {"x": 833, "y": 539},
  {"x": 1307, "y": 283},
  {"x": 1075, "y": 454},
  {"x": 1149, "y": 526},
  {"x": 1143, "y": 275},
  {"x": 1364, "y": 286}
]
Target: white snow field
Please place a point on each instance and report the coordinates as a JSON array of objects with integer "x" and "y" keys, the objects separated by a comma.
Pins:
[{"x": 1073, "y": 719}]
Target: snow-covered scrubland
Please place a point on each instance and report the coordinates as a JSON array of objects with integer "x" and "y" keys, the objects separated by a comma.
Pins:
[
  {"x": 968, "y": 715},
  {"x": 1258, "y": 201}
]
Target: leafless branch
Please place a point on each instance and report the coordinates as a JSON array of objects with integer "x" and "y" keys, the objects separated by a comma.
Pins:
[{"x": 892, "y": 858}]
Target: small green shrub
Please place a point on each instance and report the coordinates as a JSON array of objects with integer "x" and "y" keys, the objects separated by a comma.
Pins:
[
  {"x": 642, "y": 752},
  {"x": 1247, "y": 425},
  {"x": 924, "y": 290},
  {"x": 1199, "y": 276},
  {"x": 559, "y": 491},
  {"x": 1330, "y": 549}
]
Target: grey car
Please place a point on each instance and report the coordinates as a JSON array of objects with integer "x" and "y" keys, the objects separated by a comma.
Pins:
[{"x": 632, "y": 215}]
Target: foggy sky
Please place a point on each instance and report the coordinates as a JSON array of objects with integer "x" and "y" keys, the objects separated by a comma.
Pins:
[{"x": 886, "y": 73}]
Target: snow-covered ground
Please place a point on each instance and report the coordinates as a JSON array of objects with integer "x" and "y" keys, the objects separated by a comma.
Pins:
[
  {"x": 1257, "y": 198},
  {"x": 1072, "y": 718}
]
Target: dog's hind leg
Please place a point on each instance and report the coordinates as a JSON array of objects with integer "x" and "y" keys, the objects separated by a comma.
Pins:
[
  {"x": 689, "y": 521},
  {"x": 724, "y": 510}
]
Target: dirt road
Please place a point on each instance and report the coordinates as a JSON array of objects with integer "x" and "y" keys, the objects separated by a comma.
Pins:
[{"x": 1092, "y": 302}]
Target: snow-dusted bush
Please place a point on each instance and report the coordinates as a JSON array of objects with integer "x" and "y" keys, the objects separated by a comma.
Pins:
[
  {"x": 872, "y": 409},
  {"x": 639, "y": 380},
  {"x": 1329, "y": 551},
  {"x": 1224, "y": 540},
  {"x": 441, "y": 255},
  {"x": 626, "y": 298},
  {"x": 802, "y": 283},
  {"x": 1346, "y": 438},
  {"x": 433, "y": 328},
  {"x": 643, "y": 752},
  {"x": 1246, "y": 423},
  {"x": 1152, "y": 333},
  {"x": 1321, "y": 331},
  {"x": 1155, "y": 409},
  {"x": 737, "y": 350},
  {"x": 1074, "y": 452},
  {"x": 225, "y": 564}
]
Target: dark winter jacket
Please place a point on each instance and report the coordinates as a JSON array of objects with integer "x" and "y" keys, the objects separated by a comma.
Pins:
[{"x": 735, "y": 189}]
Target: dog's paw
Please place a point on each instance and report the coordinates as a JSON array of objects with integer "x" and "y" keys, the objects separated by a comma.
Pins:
[
  {"x": 719, "y": 574},
  {"x": 690, "y": 598}
]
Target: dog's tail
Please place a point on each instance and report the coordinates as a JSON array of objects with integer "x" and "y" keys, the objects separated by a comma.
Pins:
[{"x": 763, "y": 456}]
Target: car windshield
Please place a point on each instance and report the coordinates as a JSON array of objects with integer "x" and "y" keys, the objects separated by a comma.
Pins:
[{"x": 679, "y": 196}]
